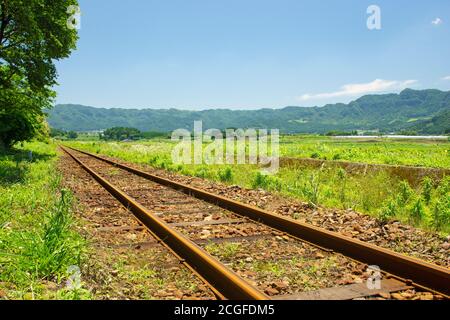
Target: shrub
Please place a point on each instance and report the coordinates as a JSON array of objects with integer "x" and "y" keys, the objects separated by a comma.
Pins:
[
  {"x": 315, "y": 155},
  {"x": 260, "y": 181},
  {"x": 266, "y": 182},
  {"x": 226, "y": 175},
  {"x": 162, "y": 164},
  {"x": 153, "y": 160},
  {"x": 441, "y": 214},
  {"x": 405, "y": 192},
  {"x": 388, "y": 211},
  {"x": 443, "y": 189},
  {"x": 417, "y": 212},
  {"x": 201, "y": 173},
  {"x": 311, "y": 190},
  {"x": 427, "y": 188}
]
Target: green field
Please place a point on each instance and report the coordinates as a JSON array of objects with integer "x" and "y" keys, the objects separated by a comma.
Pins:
[
  {"x": 38, "y": 242},
  {"x": 376, "y": 193},
  {"x": 422, "y": 153}
]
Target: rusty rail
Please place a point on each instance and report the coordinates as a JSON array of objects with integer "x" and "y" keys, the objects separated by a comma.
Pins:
[
  {"x": 411, "y": 270},
  {"x": 225, "y": 281}
]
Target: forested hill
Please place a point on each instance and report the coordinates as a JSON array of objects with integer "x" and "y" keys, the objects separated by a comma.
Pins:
[{"x": 425, "y": 111}]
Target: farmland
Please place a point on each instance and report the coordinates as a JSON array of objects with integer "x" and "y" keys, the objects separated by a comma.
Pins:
[
  {"x": 379, "y": 194},
  {"x": 421, "y": 153}
]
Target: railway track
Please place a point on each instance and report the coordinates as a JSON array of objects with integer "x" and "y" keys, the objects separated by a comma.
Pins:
[{"x": 211, "y": 233}]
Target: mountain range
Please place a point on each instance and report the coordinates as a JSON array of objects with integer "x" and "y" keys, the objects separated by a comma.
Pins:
[{"x": 423, "y": 111}]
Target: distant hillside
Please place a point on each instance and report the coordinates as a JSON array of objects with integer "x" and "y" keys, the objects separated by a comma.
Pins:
[
  {"x": 426, "y": 111},
  {"x": 436, "y": 125}
]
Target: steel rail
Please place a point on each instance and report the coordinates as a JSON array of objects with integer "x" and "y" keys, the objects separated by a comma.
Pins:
[
  {"x": 411, "y": 270},
  {"x": 225, "y": 281}
]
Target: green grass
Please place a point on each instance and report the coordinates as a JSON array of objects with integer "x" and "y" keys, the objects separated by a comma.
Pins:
[
  {"x": 37, "y": 239},
  {"x": 434, "y": 154},
  {"x": 380, "y": 151},
  {"x": 224, "y": 250},
  {"x": 376, "y": 193}
]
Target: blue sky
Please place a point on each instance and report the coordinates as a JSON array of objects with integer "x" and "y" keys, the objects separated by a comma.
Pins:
[{"x": 247, "y": 54}]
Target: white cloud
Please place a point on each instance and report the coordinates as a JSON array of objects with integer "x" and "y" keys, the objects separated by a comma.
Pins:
[
  {"x": 357, "y": 89},
  {"x": 446, "y": 78},
  {"x": 437, "y": 21}
]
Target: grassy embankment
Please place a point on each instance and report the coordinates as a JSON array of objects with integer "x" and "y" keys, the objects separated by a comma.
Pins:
[
  {"x": 376, "y": 193},
  {"x": 39, "y": 248}
]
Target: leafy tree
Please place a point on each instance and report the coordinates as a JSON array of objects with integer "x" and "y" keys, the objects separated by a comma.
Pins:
[
  {"x": 57, "y": 133},
  {"x": 154, "y": 134},
  {"x": 33, "y": 34},
  {"x": 408, "y": 133},
  {"x": 20, "y": 126},
  {"x": 342, "y": 133},
  {"x": 72, "y": 135},
  {"x": 121, "y": 133},
  {"x": 21, "y": 116}
]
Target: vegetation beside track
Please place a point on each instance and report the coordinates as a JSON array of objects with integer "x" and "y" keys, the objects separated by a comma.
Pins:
[
  {"x": 379, "y": 194},
  {"x": 421, "y": 153},
  {"x": 39, "y": 247}
]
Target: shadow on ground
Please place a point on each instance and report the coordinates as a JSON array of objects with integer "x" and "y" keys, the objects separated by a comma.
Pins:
[{"x": 15, "y": 164}]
